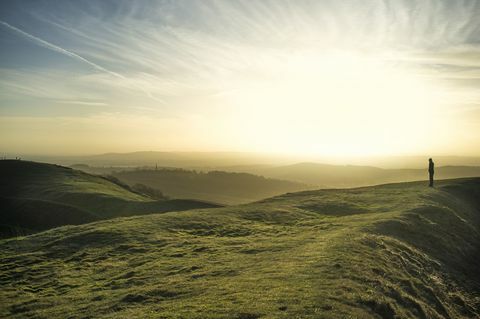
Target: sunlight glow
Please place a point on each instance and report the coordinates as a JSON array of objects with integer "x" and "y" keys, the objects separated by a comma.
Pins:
[
  {"x": 335, "y": 104},
  {"x": 329, "y": 78}
]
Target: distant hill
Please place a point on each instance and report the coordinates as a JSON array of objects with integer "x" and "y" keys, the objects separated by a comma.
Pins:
[
  {"x": 216, "y": 186},
  {"x": 167, "y": 159},
  {"x": 339, "y": 176},
  {"x": 225, "y": 187},
  {"x": 218, "y": 160},
  {"x": 390, "y": 251},
  {"x": 37, "y": 196}
]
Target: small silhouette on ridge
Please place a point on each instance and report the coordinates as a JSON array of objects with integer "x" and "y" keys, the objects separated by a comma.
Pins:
[{"x": 431, "y": 171}]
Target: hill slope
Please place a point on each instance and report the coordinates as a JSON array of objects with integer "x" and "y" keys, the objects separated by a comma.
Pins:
[
  {"x": 216, "y": 186},
  {"x": 35, "y": 196},
  {"x": 389, "y": 251}
]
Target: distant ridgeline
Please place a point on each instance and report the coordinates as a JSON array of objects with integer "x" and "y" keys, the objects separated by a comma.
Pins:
[{"x": 37, "y": 196}]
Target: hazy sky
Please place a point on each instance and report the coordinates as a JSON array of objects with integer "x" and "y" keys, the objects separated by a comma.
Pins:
[{"x": 318, "y": 77}]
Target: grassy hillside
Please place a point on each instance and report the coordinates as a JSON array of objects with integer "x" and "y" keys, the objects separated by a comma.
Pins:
[
  {"x": 339, "y": 176},
  {"x": 221, "y": 187},
  {"x": 35, "y": 196},
  {"x": 389, "y": 251}
]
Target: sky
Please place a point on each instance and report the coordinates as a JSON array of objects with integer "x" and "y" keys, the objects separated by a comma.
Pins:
[{"x": 333, "y": 78}]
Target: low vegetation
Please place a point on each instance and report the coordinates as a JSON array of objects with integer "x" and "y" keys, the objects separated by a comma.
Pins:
[
  {"x": 215, "y": 186},
  {"x": 390, "y": 251}
]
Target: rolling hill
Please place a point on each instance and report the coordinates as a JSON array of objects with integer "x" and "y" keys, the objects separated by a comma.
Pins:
[
  {"x": 340, "y": 176},
  {"x": 390, "y": 251},
  {"x": 215, "y": 186},
  {"x": 35, "y": 196}
]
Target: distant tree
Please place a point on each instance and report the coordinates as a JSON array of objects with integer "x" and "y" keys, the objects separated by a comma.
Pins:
[
  {"x": 149, "y": 191},
  {"x": 115, "y": 180},
  {"x": 80, "y": 166}
]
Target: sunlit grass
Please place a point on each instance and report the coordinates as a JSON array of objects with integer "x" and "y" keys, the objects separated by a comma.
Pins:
[{"x": 400, "y": 250}]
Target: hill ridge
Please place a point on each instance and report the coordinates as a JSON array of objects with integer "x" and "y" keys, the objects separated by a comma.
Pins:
[{"x": 37, "y": 196}]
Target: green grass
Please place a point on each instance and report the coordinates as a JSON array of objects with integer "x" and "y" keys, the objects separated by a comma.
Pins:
[
  {"x": 37, "y": 196},
  {"x": 33, "y": 180},
  {"x": 389, "y": 251}
]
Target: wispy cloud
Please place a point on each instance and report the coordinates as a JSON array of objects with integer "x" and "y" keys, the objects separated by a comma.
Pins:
[
  {"x": 204, "y": 58},
  {"x": 184, "y": 48},
  {"x": 75, "y": 56},
  {"x": 89, "y": 103},
  {"x": 188, "y": 45},
  {"x": 58, "y": 49}
]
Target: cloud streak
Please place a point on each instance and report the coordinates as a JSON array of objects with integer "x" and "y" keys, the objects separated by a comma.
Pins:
[
  {"x": 87, "y": 103},
  {"x": 183, "y": 48},
  {"x": 58, "y": 49},
  {"x": 75, "y": 56}
]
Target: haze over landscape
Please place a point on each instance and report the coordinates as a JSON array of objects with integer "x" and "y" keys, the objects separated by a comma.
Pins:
[{"x": 239, "y": 159}]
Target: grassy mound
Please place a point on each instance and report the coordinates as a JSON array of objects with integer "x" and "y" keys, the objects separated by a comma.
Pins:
[
  {"x": 36, "y": 196},
  {"x": 390, "y": 251}
]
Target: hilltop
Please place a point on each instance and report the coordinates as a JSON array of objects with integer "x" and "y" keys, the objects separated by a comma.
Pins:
[
  {"x": 390, "y": 251},
  {"x": 37, "y": 196}
]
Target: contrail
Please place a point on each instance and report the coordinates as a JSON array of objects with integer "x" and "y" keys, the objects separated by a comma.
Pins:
[{"x": 60, "y": 50}]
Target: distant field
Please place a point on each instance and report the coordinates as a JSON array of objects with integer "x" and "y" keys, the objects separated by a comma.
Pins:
[
  {"x": 37, "y": 196},
  {"x": 215, "y": 186},
  {"x": 390, "y": 251}
]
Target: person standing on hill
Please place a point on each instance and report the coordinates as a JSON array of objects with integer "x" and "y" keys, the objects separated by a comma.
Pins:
[{"x": 431, "y": 170}]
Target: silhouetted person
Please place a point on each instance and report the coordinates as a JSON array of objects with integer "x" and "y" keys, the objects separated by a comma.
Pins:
[{"x": 431, "y": 170}]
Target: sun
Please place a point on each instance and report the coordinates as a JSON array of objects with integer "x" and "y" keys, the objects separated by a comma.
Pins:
[{"x": 335, "y": 104}]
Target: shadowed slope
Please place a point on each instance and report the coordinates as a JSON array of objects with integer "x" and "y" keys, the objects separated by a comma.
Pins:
[
  {"x": 389, "y": 251},
  {"x": 36, "y": 196}
]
